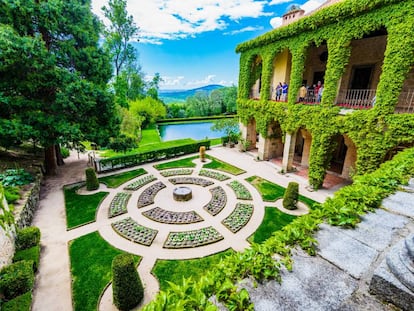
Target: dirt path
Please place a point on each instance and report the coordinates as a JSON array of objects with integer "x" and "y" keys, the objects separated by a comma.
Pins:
[{"x": 53, "y": 290}]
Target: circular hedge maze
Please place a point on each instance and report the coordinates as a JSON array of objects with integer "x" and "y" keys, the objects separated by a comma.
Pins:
[{"x": 146, "y": 209}]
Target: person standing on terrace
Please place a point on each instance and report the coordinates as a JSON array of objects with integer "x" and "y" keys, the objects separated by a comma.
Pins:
[
  {"x": 302, "y": 93},
  {"x": 285, "y": 89},
  {"x": 278, "y": 91}
]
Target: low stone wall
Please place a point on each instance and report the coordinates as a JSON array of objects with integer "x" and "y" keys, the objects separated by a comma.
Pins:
[
  {"x": 24, "y": 213},
  {"x": 23, "y": 216}
]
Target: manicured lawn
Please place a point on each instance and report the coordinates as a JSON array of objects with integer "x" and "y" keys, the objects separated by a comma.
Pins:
[
  {"x": 81, "y": 209},
  {"x": 216, "y": 164},
  {"x": 270, "y": 192},
  {"x": 150, "y": 136},
  {"x": 273, "y": 220},
  {"x": 175, "y": 270},
  {"x": 114, "y": 181},
  {"x": 90, "y": 260},
  {"x": 186, "y": 162}
]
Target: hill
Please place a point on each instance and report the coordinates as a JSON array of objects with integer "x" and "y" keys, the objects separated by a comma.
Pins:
[{"x": 169, "y": 96}]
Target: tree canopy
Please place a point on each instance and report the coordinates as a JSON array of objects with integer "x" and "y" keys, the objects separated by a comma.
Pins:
[{"x": 53, "y": 76}]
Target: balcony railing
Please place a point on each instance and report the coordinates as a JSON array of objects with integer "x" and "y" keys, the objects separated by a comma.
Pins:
[
  {"x": 405, "y": 102},
  {"x": 356, "y": 99}
]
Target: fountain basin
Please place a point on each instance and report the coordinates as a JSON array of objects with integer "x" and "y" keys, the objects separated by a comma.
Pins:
[{"x": 182, "y": 194}]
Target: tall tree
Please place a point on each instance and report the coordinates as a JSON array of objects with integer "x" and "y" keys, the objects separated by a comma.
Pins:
[
  {"x": 53, "y": 75},
  {"x": 119, "y": 35}
]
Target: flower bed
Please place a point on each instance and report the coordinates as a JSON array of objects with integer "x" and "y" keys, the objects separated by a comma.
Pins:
[
  {"x": 183, "y": 171},
  {"x": 191, "y": 180},
  {"x": 119, "y": 203},
  {"x": 168, "y": 217},
  {"x": 140, "y": 182},
  {"x": 192, "y": 238},
  {"x": 217, "y": 202},
  {"x": 238, "y": 217},
  {"x": 213, "y": 174},
  {"x": 131, "y": 230},
  {"x": 148, "y": 195},
  {"x": 241, "y": 191}
]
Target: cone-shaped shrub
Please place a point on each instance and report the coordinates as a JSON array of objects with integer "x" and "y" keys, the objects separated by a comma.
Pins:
[
  {"x": 126, "y": 283},
  {"x": 202, "y": 153},
  {"x": 92, "y": 182},
  {"x": 290, "y": 199}
]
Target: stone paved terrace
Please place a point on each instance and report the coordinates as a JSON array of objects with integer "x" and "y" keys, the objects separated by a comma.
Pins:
[{"x": 339, "y": 276}]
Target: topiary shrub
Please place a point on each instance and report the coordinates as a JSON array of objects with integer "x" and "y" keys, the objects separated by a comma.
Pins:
[
  {"x": 30, "y": 254},
  {"x": 27, "y": 238},
  {"x": 92, "y": 182},
  {"x": 291, "y": 196},
  {"x": 16, "y": 279},
  {"x": 20, "y": 303},
  {"x": 126, "y": 283},
  {"x": 203, "y": 153}
]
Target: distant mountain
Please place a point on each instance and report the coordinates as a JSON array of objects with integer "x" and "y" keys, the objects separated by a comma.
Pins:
[{"x": 169, "y": 96}]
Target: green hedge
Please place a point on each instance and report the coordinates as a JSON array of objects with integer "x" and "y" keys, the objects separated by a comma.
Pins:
[
  {"x": 291, "y": 196},
  {"x": 126, "y": 283},
  {"x": 31, "y": 254},
  {"x": 16, "y": 279},
  {"x": 116, "y": 163},
  {"x": 27, "y": 238},
  {"x": 92, "y": 182},
  {"x": 20, "y": 303}
]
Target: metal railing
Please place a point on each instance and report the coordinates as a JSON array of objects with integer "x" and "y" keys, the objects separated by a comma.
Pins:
[
  {"x": 405, "y": 102},
  {"x": 356, "y": 98}
]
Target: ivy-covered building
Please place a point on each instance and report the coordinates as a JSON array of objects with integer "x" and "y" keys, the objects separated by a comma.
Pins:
[{"x": 362, "y": 51}]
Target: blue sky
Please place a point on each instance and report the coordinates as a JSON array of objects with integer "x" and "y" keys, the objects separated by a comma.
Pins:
[{"x": 191, "y": 43}]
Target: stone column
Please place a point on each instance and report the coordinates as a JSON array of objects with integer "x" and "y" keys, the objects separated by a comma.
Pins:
[
  {"x": 288, "y": 152},
  {"x": 350, "y": 158},
  {"x": 306, "y": 147},
  {"x": 263, "y": 148}
]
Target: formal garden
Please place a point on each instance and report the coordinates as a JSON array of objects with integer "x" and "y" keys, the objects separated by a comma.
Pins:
[{"x": 139, "y": 204}]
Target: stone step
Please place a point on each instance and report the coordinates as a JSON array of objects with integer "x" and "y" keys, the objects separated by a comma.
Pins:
[
  {"x": 393, "y": 280},
  {"x": 401, "y": 265},
  {"x": 409, "y": 244}
]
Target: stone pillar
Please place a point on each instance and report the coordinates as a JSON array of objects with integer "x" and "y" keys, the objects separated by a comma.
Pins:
[
  {"x": 263, "y": 148},
  {"x": 288, "y": 152},
  {"x": 350, "y": 158},
  {"x": 306, "y": 147}
]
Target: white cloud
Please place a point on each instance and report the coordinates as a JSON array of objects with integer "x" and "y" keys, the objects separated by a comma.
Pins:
[
  {"x": 245, "y": 29},
  {"x": 308, "y": 7},
  {"x": 171, "y": 19},
  {"x": 207, "y": 80},
  {"x": 276, "y": 22},
  {"x": 274, "y": 2},
  {"x": 312, "y": 5},
  {"x": 169, "y": 82}
]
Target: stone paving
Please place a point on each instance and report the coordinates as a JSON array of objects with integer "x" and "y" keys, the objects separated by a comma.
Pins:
[{"x": 338, "y": 277}]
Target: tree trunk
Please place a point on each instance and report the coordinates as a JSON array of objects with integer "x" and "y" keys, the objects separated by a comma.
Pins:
[
  {"x": 59, "y": 157},
  {"x": 50, "y": 160}
]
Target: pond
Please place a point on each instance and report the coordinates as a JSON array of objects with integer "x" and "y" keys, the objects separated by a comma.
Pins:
[{"x": 197, "y": 131}]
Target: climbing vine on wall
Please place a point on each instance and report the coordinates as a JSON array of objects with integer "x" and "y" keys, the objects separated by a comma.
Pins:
[
  {"x": 6, "y": 214},
  {"x": 375, "y": 131}
]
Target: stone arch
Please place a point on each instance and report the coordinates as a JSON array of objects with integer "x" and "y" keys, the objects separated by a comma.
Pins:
[
  {"x": 281, "y": 71},
  {"x": 358, "y": 84},
  {"x": 256, "y": 69},
  {"x": 271, "y": 146},
  {"x": 302, "y": 147},
  {"x": 249, "y": 133},
  {"x": 343, "y": 156}
]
